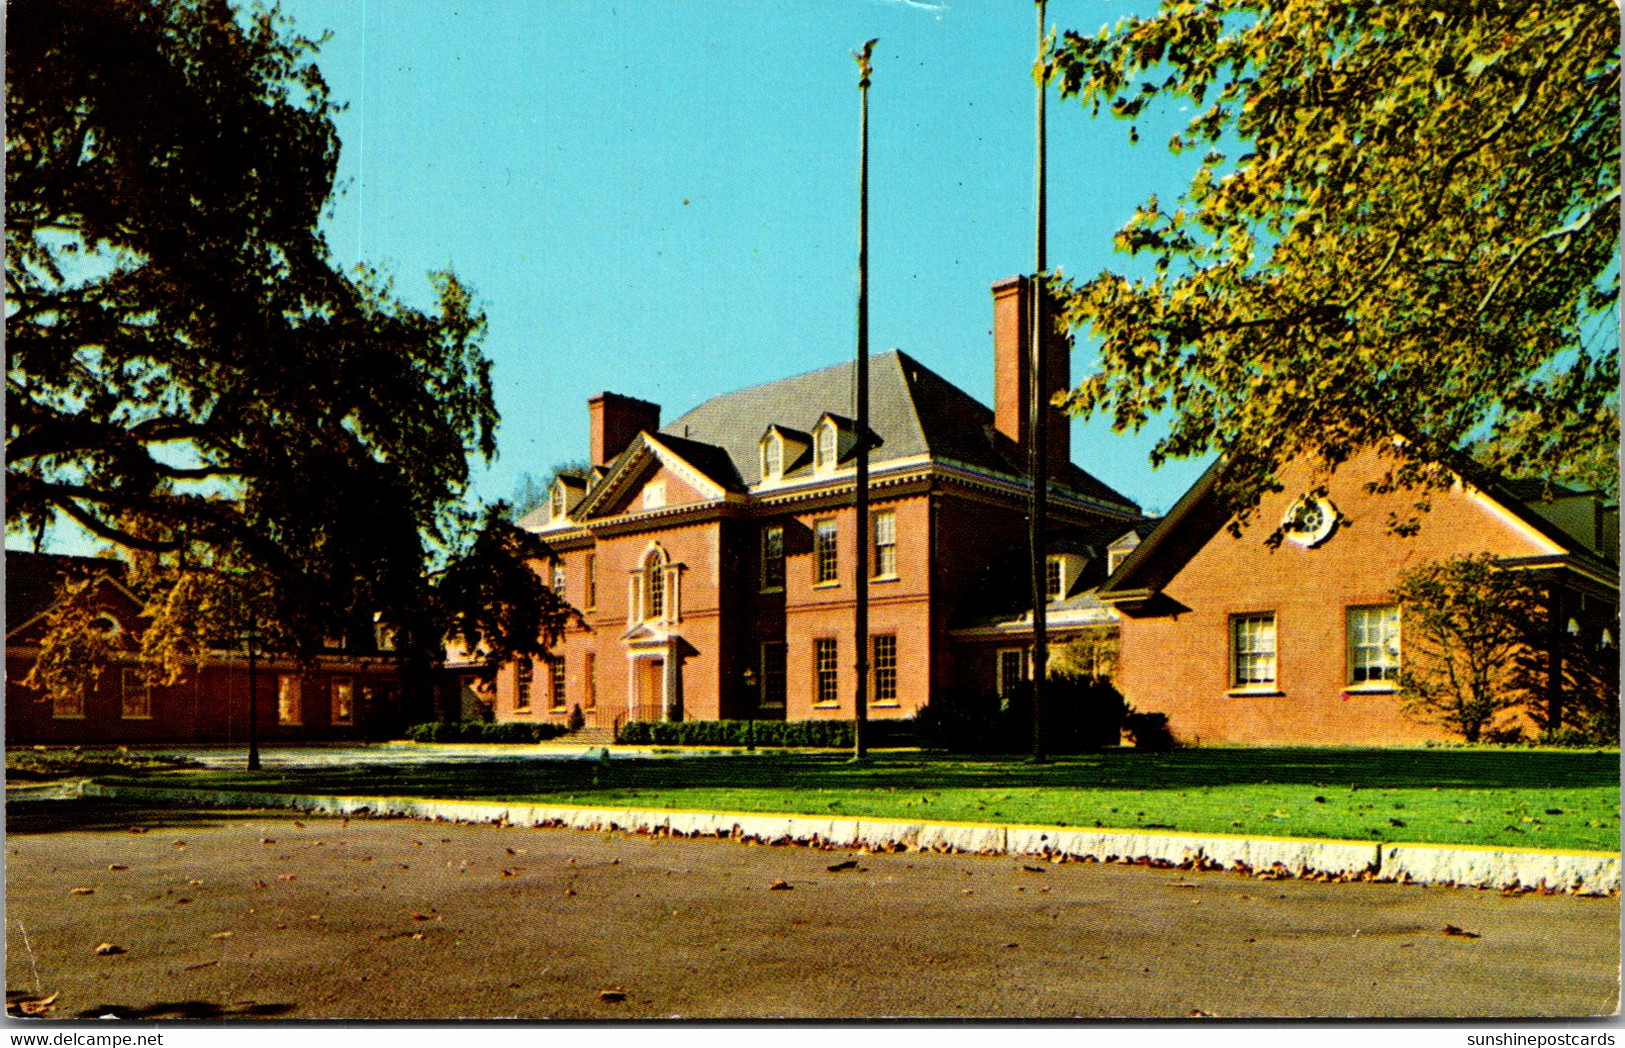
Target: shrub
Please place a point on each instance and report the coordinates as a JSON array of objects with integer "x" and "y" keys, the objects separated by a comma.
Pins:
[
  {"x": 1148, "y": 731},
  {"x": 478, "y": 731},
  {"x": 820, "y": 733},
  {"x": 1080, "y": 714},
  {"x": 578, "y": 720}
]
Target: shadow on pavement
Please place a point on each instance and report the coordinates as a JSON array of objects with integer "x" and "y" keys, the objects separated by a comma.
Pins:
[
  {"x": 34, "y": 817},
  {"x": 187, "y": 1010}
]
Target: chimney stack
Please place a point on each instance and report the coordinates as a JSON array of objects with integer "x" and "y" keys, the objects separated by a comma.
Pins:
[
  {"x": 1012, "y": 367},
  {"x": 615, "y": 420}
]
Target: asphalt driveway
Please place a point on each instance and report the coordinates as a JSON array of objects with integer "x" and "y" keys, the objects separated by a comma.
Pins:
[{"x": 236, "y": 915}]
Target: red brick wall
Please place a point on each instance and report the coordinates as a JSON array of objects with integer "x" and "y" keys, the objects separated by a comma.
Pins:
[
  {"x": 209, "y": 706},
  {"x": 1179, "y": 664}
]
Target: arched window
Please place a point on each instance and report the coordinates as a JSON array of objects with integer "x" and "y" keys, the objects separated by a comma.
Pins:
[
  {"x": 824, "y": 447},
  {"x": 654, "y": 585},
  {"x": 772, "y": 458}
]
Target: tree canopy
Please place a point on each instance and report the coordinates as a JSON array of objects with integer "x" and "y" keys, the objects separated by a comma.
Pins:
[
  {"x": 189, "y": 376},
  {"x": 1404, "y": 225}
]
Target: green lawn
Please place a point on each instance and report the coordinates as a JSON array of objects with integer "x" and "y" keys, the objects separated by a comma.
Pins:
[{"x": 1556, "y": 799}]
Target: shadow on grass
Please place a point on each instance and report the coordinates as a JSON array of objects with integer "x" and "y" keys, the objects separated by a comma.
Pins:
[{"x": 1120, "y": 770}]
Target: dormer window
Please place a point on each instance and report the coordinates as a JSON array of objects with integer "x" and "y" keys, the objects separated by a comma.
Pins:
[
  {"x": 824, "y": 445},
  {"x": 555, "y": 502},
  {"x": 1052, "y": 578},
  {"x": 772, "y": 457}
]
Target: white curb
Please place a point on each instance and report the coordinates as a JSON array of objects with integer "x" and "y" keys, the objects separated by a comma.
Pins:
[{"x": 1580, "y": 873}]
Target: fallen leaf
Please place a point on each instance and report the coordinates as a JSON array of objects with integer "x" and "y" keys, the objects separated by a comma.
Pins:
[
  {"x": 779, "y": 885},
  {"x": 1035, "y": 869},
  {"x": 298, "y": 825},
  {"x": 421, "y": 917},
  {"x": 287, "y": 876},
  {"x": 38, "y": 1005},
  {"x": 267, "y": 841},
  {"x": 1197, "y": 1013},
  {"x": 116, "y": 866},
  {"x": 508, "y": 873},
  {"x": 850, "y": 864},
  {"x": 183, "y": 901},
  {"x": 81, "y": 891},
  {"x": 612, "y": 996},
  {"x": 193, "y": 880},
  {"x": 569, "y": 892},
  {"x": 1460, "y": 933},
  {"x": 221, "y": 935},
  {"x": 107, "y": 949},
  {"x": 177, "y": 844}
]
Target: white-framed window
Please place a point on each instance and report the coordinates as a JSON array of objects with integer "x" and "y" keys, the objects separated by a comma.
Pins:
[
  {"x": 883, "y": 526},
  {"x": 558, "y": 694},
  {"x": 559, "y": 579},
  {"x": 824, "y": 448},
  {"x": 773, "y": 675},
  {"x": 1373, "y": 638},
  {"x": 826, "y": 552},
  {"x": 135, "y": 702},
  {"x": 883, "y": 667},
  {"x": 654, "y": 586},
  {"x": 654, "y": 496},
  {"x": 826, "y": 672},
  {"x": 1252, "y": 649},
  {"x": 1052, "y": 578},
  {"x": 290, "y": 706},
  {"x": 523, "y": 674},
  {"x": 772, "y": 457},
  {"x": 383, "y": 634},
  {"x": 69, "y": 705},
  {"x": 772, "y": 558},
  {"x": 1013, "y": 669},
  {"x": 342, "y": 697}
]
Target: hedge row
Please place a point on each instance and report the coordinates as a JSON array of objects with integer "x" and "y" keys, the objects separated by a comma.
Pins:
[
  {"x": 762, "y": 733},
  {"x": 480, "y": 731}
]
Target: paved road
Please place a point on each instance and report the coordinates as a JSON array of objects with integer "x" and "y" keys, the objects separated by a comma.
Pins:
[{"x": 400, "y": 919}]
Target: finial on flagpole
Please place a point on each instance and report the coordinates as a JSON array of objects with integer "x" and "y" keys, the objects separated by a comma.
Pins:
[{"x": 865, "y": 66}]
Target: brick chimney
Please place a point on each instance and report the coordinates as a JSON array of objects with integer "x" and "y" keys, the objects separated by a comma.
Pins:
[
  {"x": 1012, "y": 365},
  {"x": 614, "y": 420}
]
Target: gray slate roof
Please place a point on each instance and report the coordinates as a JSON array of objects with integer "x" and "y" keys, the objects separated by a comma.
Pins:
[{"x": 912, "y": 410}]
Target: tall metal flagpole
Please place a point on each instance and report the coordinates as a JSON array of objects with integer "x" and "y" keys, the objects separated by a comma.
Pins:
[
  {"x": 1038, "y": 448},
  {"x": 860, "y": 705}
]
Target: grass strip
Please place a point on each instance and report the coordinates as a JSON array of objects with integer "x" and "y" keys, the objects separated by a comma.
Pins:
[{"x": 1557, "y": 800}]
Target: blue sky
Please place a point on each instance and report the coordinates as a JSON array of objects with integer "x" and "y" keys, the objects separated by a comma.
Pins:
[{"x": 660, "y": 199}]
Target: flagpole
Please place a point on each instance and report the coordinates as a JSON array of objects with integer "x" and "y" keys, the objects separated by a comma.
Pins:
[
  {"x": 860, "y": 498},
  {"x": 1038, "y": 448}
]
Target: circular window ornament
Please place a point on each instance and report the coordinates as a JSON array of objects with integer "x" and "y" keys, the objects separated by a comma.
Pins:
[{"x": 1309, "y": 521}]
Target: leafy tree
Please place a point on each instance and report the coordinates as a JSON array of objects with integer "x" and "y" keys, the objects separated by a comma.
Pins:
[
  {"x": 1468, "y": 627},
  {"x": 1404, "y": 224},
  {"x": 188, "y": 376}
]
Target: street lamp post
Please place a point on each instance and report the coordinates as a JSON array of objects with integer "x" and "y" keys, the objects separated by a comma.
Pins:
[{"x": 251, "y": 639}]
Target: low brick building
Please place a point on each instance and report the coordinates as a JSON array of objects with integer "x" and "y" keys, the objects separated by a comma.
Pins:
[
  {"x": 1239, "y": 642},
  {"x": 712, "y": 558},
  {"x": 342, "y": 695}
]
